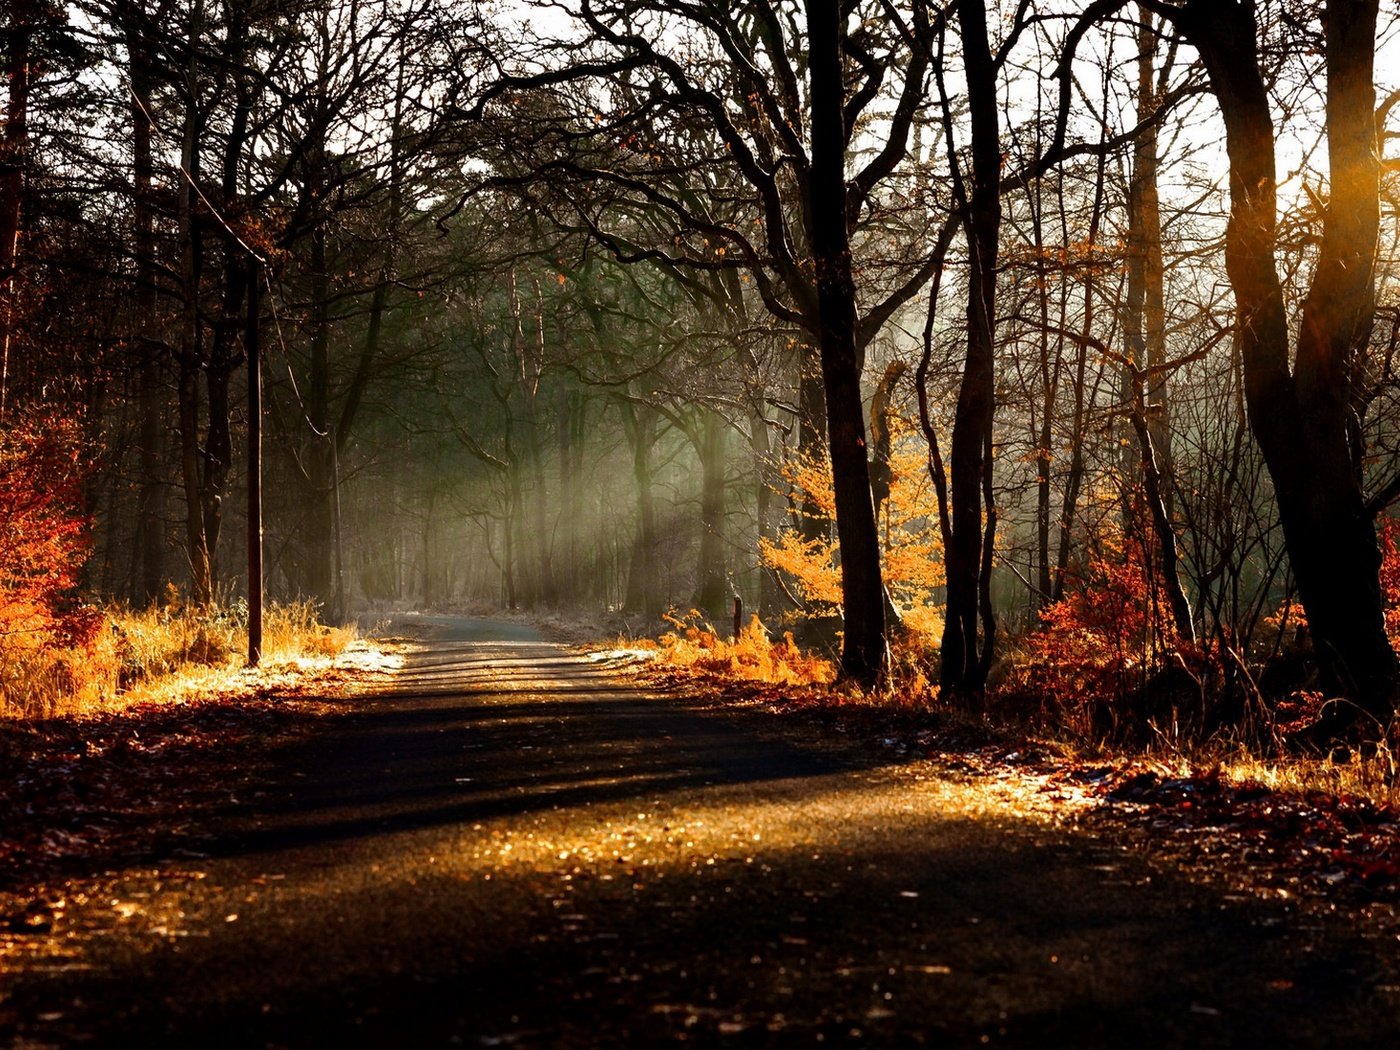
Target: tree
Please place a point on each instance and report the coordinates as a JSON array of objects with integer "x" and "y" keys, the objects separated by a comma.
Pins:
[
  {"x": 863, "y": 646},
  {"x": 1302, "y": 416},
  {"x": 616, "y": 132}
]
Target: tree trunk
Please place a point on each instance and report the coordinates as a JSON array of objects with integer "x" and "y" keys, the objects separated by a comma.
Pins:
[
  {"x": 968, "y": 558},
  {"x": 316, "y": 528},
  {"x": 150, "y": 397},
  {"x": 863, "y": 652},
  {"x": 532, "y": 369},
  {"x": 192, "y": 352},
  {"x": 1144, "y": 334},
  {"x": 769, "y": 595},
  {"x": 712, "y": 594},
  {"x": 225, "y": 355},
  {"x": 1145, "y": 243},
  {"x": 642, "y": 590},
  {"x": 14, "y": 158},
  {"x": 812, "y": 523},
  {"x": 1301, "y": 418},
  {"x": 571, "y": 440}
]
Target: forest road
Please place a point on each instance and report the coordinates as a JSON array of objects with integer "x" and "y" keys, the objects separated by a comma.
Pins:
[{"x": 515, "y": 847}]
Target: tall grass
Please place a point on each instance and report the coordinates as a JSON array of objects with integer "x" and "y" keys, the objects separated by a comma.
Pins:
[
  {"x": 158, "y": 654},
  {"x": 755, "y": 655}
]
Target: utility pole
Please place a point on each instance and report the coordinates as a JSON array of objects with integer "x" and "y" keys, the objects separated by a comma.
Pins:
[{"x": 252, "y": 346}]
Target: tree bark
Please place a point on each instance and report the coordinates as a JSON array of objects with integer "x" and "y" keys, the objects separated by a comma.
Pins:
[
  {"x": 1144, "y": 332},
  {"x": 713, "y": 590},
  {"x": 192, "y": 351},
  {"x": 150, "y": 397},
  {"x": 968, "y": 563},
  {"x": 642, "y": 591},
  {"x": 1301, "y": 417},
  {"x": 14, "y": 158},
  {"x": 863, "y": 652}
]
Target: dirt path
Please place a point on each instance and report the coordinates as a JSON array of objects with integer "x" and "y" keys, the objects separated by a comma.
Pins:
[{"x": 513, "y": 847}]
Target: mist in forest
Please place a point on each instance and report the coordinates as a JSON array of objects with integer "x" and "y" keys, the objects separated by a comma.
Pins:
[{"x": 920, "y": 327}]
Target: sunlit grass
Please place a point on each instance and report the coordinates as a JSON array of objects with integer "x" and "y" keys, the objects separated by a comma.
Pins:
[
  {"x": 163, "y": 654},
  {"x": 1367, "y": 773},
  {"x": 754, "y": 656}
]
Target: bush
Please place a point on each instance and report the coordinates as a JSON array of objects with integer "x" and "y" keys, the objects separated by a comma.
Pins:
[
  {"x": 1104, "y": 661},
  {"x": 43, "y": 542}
]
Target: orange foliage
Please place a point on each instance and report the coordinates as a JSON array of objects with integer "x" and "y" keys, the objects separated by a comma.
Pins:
[
  {"x": 1106, "y": 638},
  {"x": 754, "y": 655},
  {"x": 912, "y": 547},
  {"x": 43, "y": 534}
]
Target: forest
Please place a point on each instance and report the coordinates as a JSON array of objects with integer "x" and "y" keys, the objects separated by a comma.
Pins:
[{"x": 1014, "y": 353}]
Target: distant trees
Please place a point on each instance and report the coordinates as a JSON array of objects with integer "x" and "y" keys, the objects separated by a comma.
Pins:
[{"x": 616, "y": 132}]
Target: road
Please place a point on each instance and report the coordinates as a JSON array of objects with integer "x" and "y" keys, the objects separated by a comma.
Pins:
[{"x": 513, "y": 846}]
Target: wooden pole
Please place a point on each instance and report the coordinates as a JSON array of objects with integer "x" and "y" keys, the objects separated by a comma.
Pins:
[
  {"x": 338, "y": 611},
  {"x": 738, "y": 616},
  {"x": 252, "y": 345}
]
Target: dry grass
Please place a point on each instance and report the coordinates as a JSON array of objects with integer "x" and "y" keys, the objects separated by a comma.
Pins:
[
  {"x": 158, "y": 655},
  {"x": 753, "y": 656},
  {"x": 1368, "y": 772}
]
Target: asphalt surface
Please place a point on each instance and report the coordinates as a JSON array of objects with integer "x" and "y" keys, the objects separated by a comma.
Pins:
[{"x": 515, "y": 847}]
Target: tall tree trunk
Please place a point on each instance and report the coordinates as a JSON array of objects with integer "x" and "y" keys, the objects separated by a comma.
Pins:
[
  {"x": 1145, "y": 243},
  {"x": 317, "y": 528},
  {"x": 968, "y": 558},
  {"x": 863, "y": 651},
  {"x": 1301, "y": 417},
  {"x": 14, "y": 158},
  {"x": 225, "y": 355},
  {"x": 150, "y": 351},
  {"x": 571, "y": 423},
  {"x": 713, "y": 590},
  {"x": 812, "y": 523},
  {"x": 192, "y": 350},
  {"x": 769, "y": 595},
  {"x": 1144, "y": 333},
  {"x": 545, "y": 591},
  {"x": 643, "y": 592}
]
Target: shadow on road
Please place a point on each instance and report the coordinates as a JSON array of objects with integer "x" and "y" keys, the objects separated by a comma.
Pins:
[
  {"x": 511, "y": 849},
  {"x": 473, "y": 731}
]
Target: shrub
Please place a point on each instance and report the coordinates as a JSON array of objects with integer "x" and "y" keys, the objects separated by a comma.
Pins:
[
  {"x": 43, "y": 542},
  {"x": 1104, "y": 660}
]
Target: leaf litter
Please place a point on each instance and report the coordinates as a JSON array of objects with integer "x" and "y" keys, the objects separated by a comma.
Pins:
[{"x": 83, "y": 794}]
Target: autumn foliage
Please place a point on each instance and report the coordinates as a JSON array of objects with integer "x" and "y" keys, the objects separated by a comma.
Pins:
[
  {"x": 912, "y": 550},
  {"x": 754, "y": 655},
  {"x": 43, "y": 541},
  {"x": 1104, "y": 658}
]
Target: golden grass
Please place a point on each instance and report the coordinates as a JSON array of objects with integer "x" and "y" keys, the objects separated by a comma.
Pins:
[
  {"x": 161, "y": 654},
  {"x": 1370, "y": 772},
  {"x": 754, "y": 656},
  {"x": 1367, "y": 772}
]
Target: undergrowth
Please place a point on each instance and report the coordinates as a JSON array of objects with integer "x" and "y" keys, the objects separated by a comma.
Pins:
[
  {"x": 158, "y": 654},
  {"x": 1236, "y": 754},
  {"x": 754, "y": 656}
]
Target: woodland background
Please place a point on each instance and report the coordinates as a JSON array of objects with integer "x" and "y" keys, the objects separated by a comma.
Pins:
[{"x": 559, "y": 310}]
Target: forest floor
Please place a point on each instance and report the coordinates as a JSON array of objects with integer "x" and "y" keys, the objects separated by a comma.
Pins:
[{"x": 507, "y": 842}]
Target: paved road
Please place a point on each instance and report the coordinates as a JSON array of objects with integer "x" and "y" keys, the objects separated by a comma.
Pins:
[{"x": 514, "y": 848}]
